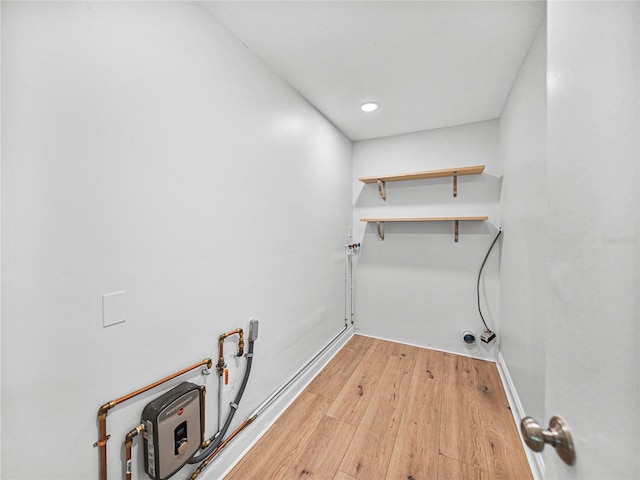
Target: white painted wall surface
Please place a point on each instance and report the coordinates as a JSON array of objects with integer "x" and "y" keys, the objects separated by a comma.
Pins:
[
  {"x": 146, "y": 150},
  {"x": 0, "y": 236},
  {"x": 593, "y": 159},
  {"x": 523, "y": 209},
  {"x": 418, "y": 286}
]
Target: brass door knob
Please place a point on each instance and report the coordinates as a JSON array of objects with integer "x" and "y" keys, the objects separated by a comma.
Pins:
[{"x": 558, "y": 436}]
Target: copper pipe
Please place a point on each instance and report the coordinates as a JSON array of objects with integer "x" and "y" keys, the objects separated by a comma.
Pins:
[
  {"x": 104, "y": 410},
  {"x": 220, "y": 364},
  {"x": 204, "y": 464},
  {"x": 102, "y": 443},
  {"x": 128, "y": 442},
  {"x": 236, "y": 432},
  {"x": 241, "y": 343},
  {"x": 203, "y": 389},
  {"x": 206, "y": 361}
]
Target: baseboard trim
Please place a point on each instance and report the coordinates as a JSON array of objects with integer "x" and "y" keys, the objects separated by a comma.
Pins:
[
  {"x": 235, "y": 450},
  {"x": 469, "y": 354},
  {"x": 536, "y": 462}
]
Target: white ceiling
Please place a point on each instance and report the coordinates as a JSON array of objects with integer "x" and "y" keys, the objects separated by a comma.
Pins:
[{"x": 429, "y": 64}]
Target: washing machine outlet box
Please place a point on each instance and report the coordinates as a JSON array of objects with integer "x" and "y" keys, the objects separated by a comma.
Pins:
[{"x": 173, "y": 430}]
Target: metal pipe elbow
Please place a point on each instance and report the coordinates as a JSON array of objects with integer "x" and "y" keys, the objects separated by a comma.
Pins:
[
  {"x": 104, "y": 409},
  {"x": 132, "y": 434},
  {"x": 241, "y": 343}
]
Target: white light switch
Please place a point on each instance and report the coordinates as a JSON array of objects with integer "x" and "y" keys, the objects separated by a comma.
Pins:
[{"x": 113, "y": 308}]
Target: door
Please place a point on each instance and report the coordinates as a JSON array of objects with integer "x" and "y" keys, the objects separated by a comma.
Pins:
[{"x": 592, "y": 337}]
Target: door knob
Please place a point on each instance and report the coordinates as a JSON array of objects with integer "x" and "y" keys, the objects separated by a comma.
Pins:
[{"x": 558, "y": 436}]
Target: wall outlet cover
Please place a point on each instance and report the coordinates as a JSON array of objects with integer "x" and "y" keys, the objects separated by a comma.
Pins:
[{"x": 113, "y": 308}]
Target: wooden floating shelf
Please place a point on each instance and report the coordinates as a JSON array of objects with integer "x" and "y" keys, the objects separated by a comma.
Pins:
[
  {"x": 401, "y": 177},
  {"x": 447, "y": 172},
  {"x": 381, "y": 221}
]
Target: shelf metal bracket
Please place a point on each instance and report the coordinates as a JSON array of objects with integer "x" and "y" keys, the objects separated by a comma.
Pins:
[
  {"x": 455, "y": 184},
  {"x": 382, "y": 189},
  {"x": 380, "y": 226},
  {"x": 456, "y": 230}
]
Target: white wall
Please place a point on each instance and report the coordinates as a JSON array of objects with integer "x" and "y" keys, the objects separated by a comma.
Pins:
[
  {"x": 593, "y": 229},
  {"x": 523, "y": 209},
  {"x": 0, "y": 238},
  {"x": 147, "y": 150},
  {"x": 418, "y": 286}
]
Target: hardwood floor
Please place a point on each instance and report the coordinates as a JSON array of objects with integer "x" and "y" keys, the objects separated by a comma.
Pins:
[{"x": 383, "y": 410}]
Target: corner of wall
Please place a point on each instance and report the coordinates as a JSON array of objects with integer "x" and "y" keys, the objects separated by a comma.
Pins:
[{"x": 523, "y": 212}]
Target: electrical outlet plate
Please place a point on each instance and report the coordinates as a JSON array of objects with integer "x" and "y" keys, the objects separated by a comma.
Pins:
[
  {"x": 113, "y": 308},
  {"x": 487, "y": 336}
]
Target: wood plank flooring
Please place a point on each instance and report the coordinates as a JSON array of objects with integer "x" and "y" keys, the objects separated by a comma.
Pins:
[{"x": 383, "y": 410}]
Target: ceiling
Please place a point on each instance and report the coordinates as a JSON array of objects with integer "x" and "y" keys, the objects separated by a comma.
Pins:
[{"x": 429, "y": 64}]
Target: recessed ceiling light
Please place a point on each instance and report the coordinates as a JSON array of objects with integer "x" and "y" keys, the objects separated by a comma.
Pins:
[{"x": 369, "y": 106}]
